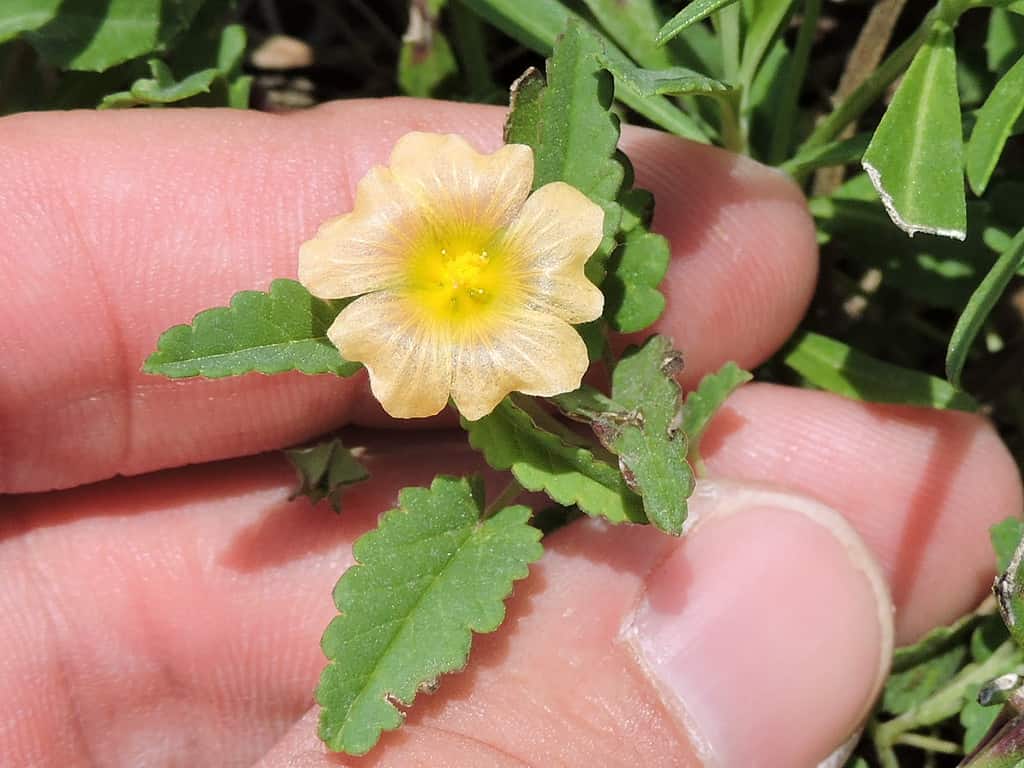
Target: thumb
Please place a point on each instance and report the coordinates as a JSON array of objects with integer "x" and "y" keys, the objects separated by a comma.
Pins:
[{"x": 760, "y": 639}]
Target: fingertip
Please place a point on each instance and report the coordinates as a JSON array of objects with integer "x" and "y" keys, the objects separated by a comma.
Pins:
[
  {"x": 921, "y": 486},
  {"x": 744, "y": 254}
]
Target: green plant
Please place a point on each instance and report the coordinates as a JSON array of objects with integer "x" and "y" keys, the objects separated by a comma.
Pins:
[{"x": 922, "y": 316}]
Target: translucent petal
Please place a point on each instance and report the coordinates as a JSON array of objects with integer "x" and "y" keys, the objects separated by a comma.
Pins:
[
  {"x": 556, "y": 232},
  {"x": 460, "y": 189},
  {"x": 526, "y": 351},
  {"x": 364, "y": 250},
  {"x": 409, "y": 362}
]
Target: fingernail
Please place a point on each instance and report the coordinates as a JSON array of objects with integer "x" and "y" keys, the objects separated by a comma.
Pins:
[{"x": 768, "y": 630}]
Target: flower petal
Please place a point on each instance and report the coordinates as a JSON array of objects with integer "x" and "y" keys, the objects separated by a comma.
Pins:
[
  {"x": 409, "y": 362},
  {"x": 556, "y": 232},
  {"x": 460, "y": 189},
  {"x": 528, "y": 352},
  {"x": 364, "y": 250}
]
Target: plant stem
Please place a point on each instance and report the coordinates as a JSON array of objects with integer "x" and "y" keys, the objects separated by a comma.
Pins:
[
  {"x": 872, "y": 88},
  {"x": 871, "y": 45},
  {"x": 929, "y": 743},
  {"x": 727, "y": 24},
  {"x": 947, "y": 701},
  {"x": 788, "y": 103},
  {"x": 508, "y": 495},
  {"x": 733, "y": 137}
]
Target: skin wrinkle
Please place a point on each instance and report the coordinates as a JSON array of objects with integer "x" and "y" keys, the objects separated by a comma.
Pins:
[
  {"x": 49, "y": 600},
  {"x": 275, "y": 563},
  {"x": 123, "y": 390},
  {"x": 162, "y": 215}
]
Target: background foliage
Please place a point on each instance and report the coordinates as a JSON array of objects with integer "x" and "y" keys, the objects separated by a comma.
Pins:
[{"x": 927, "y": 98}]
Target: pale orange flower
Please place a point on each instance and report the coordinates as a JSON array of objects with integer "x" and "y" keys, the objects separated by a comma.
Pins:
[{"x": 468, "y": 285}]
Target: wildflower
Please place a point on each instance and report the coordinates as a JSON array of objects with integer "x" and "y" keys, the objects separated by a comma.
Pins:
[{"x": 468, "y": 285}]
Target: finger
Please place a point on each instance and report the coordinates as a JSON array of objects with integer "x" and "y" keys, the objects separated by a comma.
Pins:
[
  {"x": 197, "y": 591},
  {"x": 200, "y": 641},
  {"x": 899, "y": 474},
  {"x": 175, "y": 618},
  {"x": 627, "y": 648},
  {"x": 116, "y": 226}
]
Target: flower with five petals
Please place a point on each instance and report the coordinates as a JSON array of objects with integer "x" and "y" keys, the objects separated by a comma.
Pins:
[{"x": 467, "y": 285}]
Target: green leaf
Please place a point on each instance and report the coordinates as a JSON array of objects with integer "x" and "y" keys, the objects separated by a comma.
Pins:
[
  {"x": 426, "y": 59},
  {"x": 637, "y": 209},
  {"x": 537, "y": 23},
  {"x": 585, "y": 404},
  {"x": 696, "y": 11},
  {"x": 915, "y": 159},
  {"x": 1002, "y": 746},
  {"x": 1006, "y": 537},
  {"x": 995, "y": 122},
  {"x": 633, "y": 24},
  {"x": 836, "y": 367},
  {"x": 645, "y": 434},
  {"x": 283, "y": 330},
  {"x": 572, "y": 131},
  {"x": 935, "y": 271},
  {"x": 162, "y": 88},
  {"x": 980, "y": 305},
  {"x": 94, "y": 36},
  {"x": 325, "y": 470},
  {"x": 768, "y": 19},
  {"x": 546, "y": 456},
  {"x": 938, "y": 641},
  {"x": 764, "y": 97},
  {"x": 841, "y": 152},
  {"x": 703, "y": 403},
  {"x": 1005, "y": 38},
  {"x": 17, "y": 16},
  {"x": 910, "y": 687},
  {"x": 524, "y": 123},
  {"x": 678, "y": 81},
  {"x": 976, "y": 719},
  {"x": 632, "y": 299},
  {"x": 430, "y": 574},
  {"x": 239, "y": 91},
  {"x": 423, "y": 67},
  {"x": 581, "y": 150},
  {"x": 579, "y": 133},
  {"x": 988, "y": 636}
]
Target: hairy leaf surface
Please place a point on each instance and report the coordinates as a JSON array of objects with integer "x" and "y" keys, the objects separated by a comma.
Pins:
[
  {"x": 647, "y": 433},
  {"x": 635, "y": 269},
  {"x": 915, "y": 158},
  {"x": 283, "y": 330},
  {"x": 545, "y": 456},
  {"x": 703, "y": 402},
  {"x": 432, "y": 573}
]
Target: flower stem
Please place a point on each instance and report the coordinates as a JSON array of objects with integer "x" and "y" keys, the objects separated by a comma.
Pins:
[{"x": 508, "y": 495}]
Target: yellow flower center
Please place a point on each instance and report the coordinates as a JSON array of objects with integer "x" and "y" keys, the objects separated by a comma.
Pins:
[{"x": 459, "y": 282}]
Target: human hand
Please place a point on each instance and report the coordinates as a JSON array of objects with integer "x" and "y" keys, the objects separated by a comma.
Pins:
[{"x": 174, "y": 618}]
